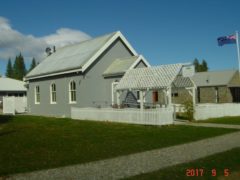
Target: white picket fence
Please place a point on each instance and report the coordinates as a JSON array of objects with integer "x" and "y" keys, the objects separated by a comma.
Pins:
[
  {"x": 206, "y": 111},
  {"x": 161, "y": 116},
  {"x": 12, "y": 104}
]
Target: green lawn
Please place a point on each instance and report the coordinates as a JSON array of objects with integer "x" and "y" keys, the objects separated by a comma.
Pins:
[
  {"x": 227, "y": 162},
  {"x": 30, "y": 143},
  {"x": 224, "y": 120}
]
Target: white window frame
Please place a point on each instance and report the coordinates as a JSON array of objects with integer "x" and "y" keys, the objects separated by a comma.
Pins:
[
  {"x": 37, "y": 94},
  {"x": 72, "y": 93},
  {"x": 53, "y": 93}
]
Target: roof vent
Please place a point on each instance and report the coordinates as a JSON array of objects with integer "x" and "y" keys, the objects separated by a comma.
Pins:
[
  {"x": 49, "y": 51},
  {"x": 207, "y": 80}
]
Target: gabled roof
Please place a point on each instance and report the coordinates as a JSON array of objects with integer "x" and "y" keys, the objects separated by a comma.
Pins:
[
  {"x": 121, "y": 65},
  {"x": 76, "y": 57},
  {"x": 213, "y": 78},
  {"x": 150, "y": 78},
  {"x": 183, "y": 82},
  {"x": 8, "y": 84}
]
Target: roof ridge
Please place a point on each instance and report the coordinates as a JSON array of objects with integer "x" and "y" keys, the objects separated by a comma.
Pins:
[
  {"x": 78, "y": 56},
  {"x": 87, "y": 40},
  {"x": 222, "y": 70}
]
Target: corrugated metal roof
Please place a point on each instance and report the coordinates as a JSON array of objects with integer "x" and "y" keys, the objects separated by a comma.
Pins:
[
  {"x": 120, "y": 66},
  {"x": 182, "y": 82},
  {"x": 8, "y": 84},
  {"x": 213, "y": 78},
  {"x": 150, "y": 78},
  {"x": 70, "y": 57}
]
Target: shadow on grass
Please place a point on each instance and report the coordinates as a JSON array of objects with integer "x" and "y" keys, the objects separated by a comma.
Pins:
[
  {"x": 6, "y": 133},
  {"x": 5, "y": 119}
]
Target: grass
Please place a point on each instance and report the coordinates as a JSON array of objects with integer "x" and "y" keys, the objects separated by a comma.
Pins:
[
  {"x": 227, "y": 162},
  {"x": 30, "y": 143},
  {"x": 224, "y": 120}
]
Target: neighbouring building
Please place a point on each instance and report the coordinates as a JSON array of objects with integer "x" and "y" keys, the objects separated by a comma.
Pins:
[
  {"x": 212, "y": 87},
  {"x": 81, "y": 75},
  {"x": 11, "y": 87},
  {"x": 218, "y": 86}
]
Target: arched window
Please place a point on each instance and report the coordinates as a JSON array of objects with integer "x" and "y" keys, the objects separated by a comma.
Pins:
[
  {"x": 72, "y": 92},
  {"x": 53, "y": 94},
  {"x": 37, "y": 95}
]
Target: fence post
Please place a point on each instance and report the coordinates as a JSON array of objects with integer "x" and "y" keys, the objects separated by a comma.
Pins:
[
  {"x": 141, "y": 100},
  {"x": 174, "y": 112}
]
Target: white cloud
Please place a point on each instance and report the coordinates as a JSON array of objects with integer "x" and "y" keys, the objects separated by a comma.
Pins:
[
  {"x": 12, "y": 42},
  {"x": 65, "y": 36}
]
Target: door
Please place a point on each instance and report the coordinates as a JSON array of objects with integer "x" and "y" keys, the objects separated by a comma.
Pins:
[
  {"x": 114, "y": 93},
  {"x": 235, "y": 91}
]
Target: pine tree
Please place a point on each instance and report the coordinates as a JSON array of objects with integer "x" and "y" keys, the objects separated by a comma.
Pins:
[
  {"x": 196, "y": 65},
  {"x": 204, "y": 65},
  {"x": 16, "y": 68},
  {"x": 200, "y": 67},
  {"x": 22, "y": 67},
  {"x": 19, "y": 69},
  {"x": 33, "y": 64},
  {"x": 9, "y": 72}
]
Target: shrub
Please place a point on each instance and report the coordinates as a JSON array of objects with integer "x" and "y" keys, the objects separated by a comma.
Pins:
[{"x": 189, "y": 110}]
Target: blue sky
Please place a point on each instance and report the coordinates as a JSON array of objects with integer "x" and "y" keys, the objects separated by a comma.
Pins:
[{"x": 164, "y": 31}]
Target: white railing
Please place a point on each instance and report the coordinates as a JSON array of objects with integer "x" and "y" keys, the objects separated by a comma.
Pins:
[
  {"x": 206, "y": 111},
  {"x": 161, "y": 116},
  {"x": 12, "y": 105},
  {"x": 179, "y": 108}
]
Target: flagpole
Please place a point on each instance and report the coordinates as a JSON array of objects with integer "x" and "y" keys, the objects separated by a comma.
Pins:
[{"x": 238, "y": 54}]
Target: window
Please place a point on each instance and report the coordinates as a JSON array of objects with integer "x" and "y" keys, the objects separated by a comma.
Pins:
[
  {"x": 37, "y": 95},
  {"x": 72, "y": 92},
  {"x": 138, "y": 95},
  {"x": 175, "y": 94},
  {"x": 53, "y": 94}
]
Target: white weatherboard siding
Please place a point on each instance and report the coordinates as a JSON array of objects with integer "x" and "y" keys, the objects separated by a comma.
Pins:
[
  {"x": 161, "y": 116},
  {"x": 8, "y": 105},
  {"x": 12, "y": 105},
  {"x": 206, "y": 111},
  {"x": 20, "y": 104}
]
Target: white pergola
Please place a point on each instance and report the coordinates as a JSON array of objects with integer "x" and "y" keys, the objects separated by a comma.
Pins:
[{"x": 164, "y": 77}]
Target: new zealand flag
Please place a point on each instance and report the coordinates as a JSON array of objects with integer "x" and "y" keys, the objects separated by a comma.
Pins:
[{"x": 226, "y": 40}]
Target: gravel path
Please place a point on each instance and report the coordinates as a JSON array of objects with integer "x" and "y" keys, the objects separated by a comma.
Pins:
[
  {"x": 230, "y": 126},
  {"x": 134, "y": 164}
]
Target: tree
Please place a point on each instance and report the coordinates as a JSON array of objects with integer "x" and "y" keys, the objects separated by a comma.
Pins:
[
  {"x": 9, "y": 71},
  {"x": 16, "y": 68},
  {"x": 22, "y": 67},
  {"x": 200, "y": 67},
  {"x": 19, "y": 69},
  {"x": 196, "y": 65},
  {"x": 33, "y": 65},
  {"x": 204, "y": 65}
]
